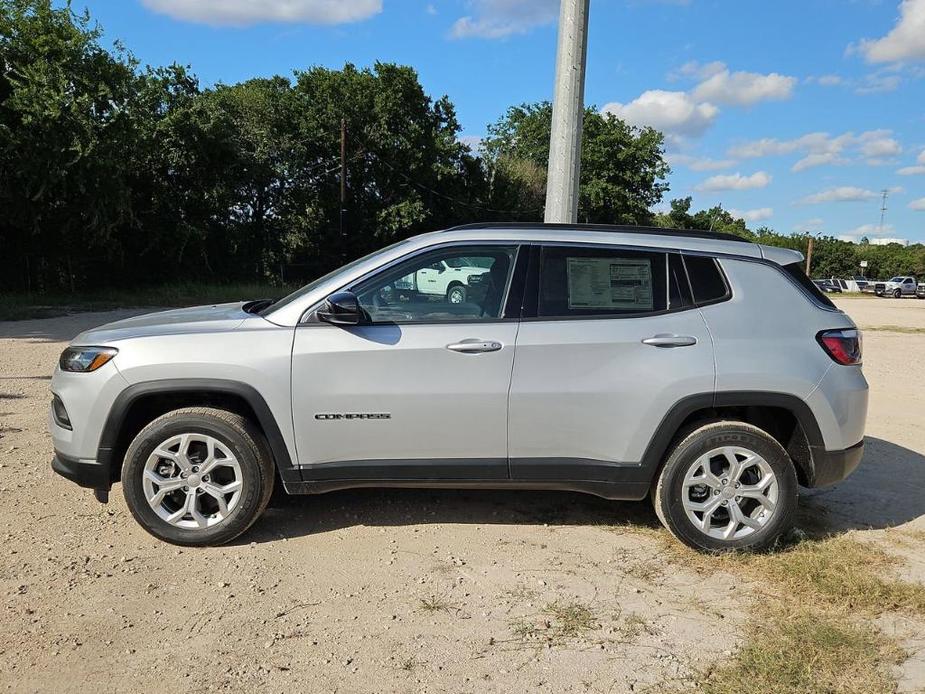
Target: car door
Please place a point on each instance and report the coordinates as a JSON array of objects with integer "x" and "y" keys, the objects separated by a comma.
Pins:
[
  {"x": 420, "y": 390},
  {"x": 610, "y": 344}
]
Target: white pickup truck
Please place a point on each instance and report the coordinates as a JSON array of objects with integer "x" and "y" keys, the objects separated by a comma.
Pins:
[{"x": 897, "y": 287}]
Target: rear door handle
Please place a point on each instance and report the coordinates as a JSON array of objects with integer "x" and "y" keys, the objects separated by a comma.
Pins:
[
  {"x": 475, "y": 346},
  {"x": 665, "y": 340}
]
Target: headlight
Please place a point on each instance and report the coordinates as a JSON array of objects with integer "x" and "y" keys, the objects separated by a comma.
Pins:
[{"x": 83, "y": 359}]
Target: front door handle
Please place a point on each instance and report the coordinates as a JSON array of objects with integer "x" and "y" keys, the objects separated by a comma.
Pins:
[
  {"x": 475, "y": 346},
  {"x": 666, "y": 340}
]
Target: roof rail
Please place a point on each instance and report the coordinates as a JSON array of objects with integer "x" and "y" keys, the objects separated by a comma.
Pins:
[{"x": 624, "y": 229}]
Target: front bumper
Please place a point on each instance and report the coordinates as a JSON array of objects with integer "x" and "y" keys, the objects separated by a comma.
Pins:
[
  {"x": 86, "y": 473},
  {"x": 831, "y": 467}
]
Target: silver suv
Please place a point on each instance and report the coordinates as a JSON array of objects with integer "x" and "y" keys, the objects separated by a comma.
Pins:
[{"x": 698, "y": 369}]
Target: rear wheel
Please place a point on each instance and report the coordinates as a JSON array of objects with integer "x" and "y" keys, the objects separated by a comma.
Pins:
[
  {"x": 726, "y": 486},
  {"x": 197, "y": 476},
  {"x": 456, "y": 294}
]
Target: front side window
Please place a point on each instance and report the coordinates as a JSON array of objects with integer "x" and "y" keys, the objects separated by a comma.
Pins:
[
  {"x": 579, "y": 282},
  {"x": 464, "y": 283}
]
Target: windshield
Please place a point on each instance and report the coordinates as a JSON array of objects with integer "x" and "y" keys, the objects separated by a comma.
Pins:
[
  {"x": 302, "y": 291},
  {"x": 897, "y": 279}
]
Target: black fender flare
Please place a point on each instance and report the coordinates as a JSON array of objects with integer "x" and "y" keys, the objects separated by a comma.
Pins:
[
  {"x": 655, "y": 452},
  {"x": 112, "y": 430}
]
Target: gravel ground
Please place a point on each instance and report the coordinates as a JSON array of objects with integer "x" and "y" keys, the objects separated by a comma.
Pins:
[{"x": 394, "y": 590}]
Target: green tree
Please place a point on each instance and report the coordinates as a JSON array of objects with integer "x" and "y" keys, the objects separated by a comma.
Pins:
[{"x": 622, "y": 167}]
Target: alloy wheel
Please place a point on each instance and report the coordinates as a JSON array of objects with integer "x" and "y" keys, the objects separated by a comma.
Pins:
[
  {"x": 729, "y": 493},
  {"x": 192, "y": 481}
]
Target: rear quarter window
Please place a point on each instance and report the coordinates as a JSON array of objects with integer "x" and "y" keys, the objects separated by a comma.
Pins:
[
  {"x": 795, "y": 271},
  {"x": 707, "y": 281}
]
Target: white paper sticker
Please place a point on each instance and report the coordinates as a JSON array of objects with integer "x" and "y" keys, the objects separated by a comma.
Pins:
[{"x": 610, "y": 283}]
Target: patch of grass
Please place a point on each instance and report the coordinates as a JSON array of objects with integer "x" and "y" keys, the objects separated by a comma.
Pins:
[
  {"x": 808, "y": 652},
  {"x": 906, "y": 329},
  {"x": 436, "y": 603},
  {"x": 634, "y": 626},
  {"x": 558, "y": 622},
  {"x": 837, "y": 572},
  {"x": 20, "y": 306}
]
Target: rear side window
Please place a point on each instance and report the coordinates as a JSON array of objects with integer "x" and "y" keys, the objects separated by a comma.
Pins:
[
  {"x": 707, "y": 281},
  {"x": 585, "y": 282},
  {"x": 795, "y": 270}
]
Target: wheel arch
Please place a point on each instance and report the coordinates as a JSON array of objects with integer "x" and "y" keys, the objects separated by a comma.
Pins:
[
  {"x": 140, "y": 403},
  {"x": 785, "y": 417}
]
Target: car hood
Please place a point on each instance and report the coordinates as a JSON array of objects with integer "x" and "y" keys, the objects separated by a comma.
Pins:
[{"x": 196, "y": 319}]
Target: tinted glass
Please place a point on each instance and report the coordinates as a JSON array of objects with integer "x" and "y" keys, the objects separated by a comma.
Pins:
[
  {"x": 679, "y": 291},
  {"x": 706, "y": 279},
  {"x": 578, "y": 282},
  {"x": 795, "y": 270},
  {"x": 453, "y": 284}
]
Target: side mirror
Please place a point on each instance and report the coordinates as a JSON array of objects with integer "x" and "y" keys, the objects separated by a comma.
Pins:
[{"x": 341, "y": 308}]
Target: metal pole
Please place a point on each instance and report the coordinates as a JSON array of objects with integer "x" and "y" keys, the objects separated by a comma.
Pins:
[
  {"x": 343, "y": 181},
  {"x": 568, "y": 108},
  {"x": 809, "y": 257}
]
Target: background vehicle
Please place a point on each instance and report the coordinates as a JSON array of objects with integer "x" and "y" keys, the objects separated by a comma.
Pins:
[
  {"x": 641, "y": 371},
  {"x": 452, "y": 278},
  {"x": 920, "y": 290},
  {"x": 897, "y": 287},
  {"x": 828, "y": 286}
]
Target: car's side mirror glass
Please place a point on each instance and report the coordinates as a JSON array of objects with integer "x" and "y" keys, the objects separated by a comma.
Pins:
[{"x": 342, "y": 308}]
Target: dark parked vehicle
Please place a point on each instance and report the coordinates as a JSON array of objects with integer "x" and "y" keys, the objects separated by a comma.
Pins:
[{"x": 827, "y": 286}]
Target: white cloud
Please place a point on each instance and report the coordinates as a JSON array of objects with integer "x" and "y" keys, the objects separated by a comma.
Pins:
[
  {"x": 874, "y": 146},
  {"x": 921, "y": 157},
  {"x": 911, "y": 170},
  {"x": 878, "y": 83},
  {"x": 906, "y": 41},
  {"x": 674, "y": 113},
  {"x": 918, "y": 205},
  {"x": 810, "y": 226},
  {"x": 839, "y": 194},
  {"x": 496, "y": 19},
  {"x": 753, "y": 215},
  {"x": 700, "y": 163},
  {"x": 735, "y": 181},
  {"x": 829, "y": 80},
  {"x": 246, "y": 12},
  {"x": 867, "y": 230},
  {"x": 743, "y": 88},
  {"x": 473, "y": 142}
]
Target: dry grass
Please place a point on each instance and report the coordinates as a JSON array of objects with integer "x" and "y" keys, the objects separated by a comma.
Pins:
[
  {"x": 808, "y": 652},
  {"x": 558, "y": 622},
  {"x": 812, "y": 631},
  {"x": 838, "y": 572}
]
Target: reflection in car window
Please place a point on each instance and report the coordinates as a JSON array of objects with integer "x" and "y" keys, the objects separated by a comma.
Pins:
[{"x": 451, "y": 284}]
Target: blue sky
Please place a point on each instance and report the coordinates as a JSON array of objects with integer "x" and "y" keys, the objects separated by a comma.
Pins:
[{"x": 794, "y": 113}]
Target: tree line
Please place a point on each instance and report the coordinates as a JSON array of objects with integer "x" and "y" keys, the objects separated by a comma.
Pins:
[{"x": 117, "y": 174}]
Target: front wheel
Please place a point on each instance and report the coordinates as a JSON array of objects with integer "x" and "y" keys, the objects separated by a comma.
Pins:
[
  {"x": 897, "y": 294},
  {"x": 197, "y": 476},
  {"x": 727, "y": 486}
]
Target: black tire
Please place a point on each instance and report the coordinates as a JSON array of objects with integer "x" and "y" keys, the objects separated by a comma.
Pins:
[
  {"x": 459, "y": 290},
  {"x": 667, "y": 494},
  {"x": 239, "y": 435},
  {"x": 897, "y": 294}
]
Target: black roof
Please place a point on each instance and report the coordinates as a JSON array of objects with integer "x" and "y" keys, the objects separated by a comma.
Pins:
[{"x": 622, "y": 228}]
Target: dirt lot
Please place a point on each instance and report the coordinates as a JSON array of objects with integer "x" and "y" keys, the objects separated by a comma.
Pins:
[{"x": 401, "y": 590}]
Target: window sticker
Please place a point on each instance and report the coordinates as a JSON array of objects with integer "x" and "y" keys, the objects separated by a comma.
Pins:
[{"x": 610, "y": 283}]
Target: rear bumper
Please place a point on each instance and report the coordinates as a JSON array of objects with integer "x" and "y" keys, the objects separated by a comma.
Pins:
[
  {"x": 834, "y": 466},
  {"x": 86, "y": 473}
]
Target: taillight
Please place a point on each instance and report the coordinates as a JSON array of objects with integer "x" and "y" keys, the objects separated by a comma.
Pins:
[{"x": 844, "y": 346}]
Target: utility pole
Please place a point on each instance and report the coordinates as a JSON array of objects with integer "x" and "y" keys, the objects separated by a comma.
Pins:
[
  {"x": 568, "y": 109},
  {"x": 343, "y": 183},
  {"x": 809, "y": 256},
  {"x": 884, "y": 193}
]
